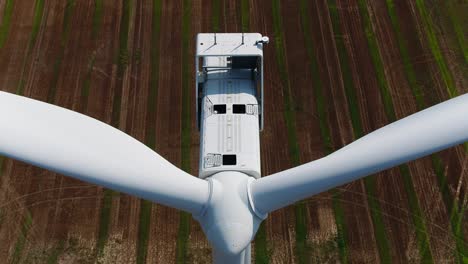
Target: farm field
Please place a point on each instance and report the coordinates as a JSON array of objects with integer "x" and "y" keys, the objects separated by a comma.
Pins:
[{"x": 334, "y": 71}]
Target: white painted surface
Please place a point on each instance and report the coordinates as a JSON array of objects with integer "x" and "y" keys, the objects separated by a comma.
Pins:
[
  {"x": 228, "y": 44},
  {"x": 84, "y": 148},
  {"x": 431, "y": 130}
]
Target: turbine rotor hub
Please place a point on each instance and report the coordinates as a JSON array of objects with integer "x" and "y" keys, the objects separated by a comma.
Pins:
[{"x": 228, "y": 220}]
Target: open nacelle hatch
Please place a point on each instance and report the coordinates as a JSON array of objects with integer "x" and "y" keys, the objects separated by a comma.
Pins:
[{"x": 239, "y": 51}]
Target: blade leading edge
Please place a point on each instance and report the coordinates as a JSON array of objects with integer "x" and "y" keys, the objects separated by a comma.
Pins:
[
  {"x": 84, "y": 148},
  {"x": 431, "y": 130}
]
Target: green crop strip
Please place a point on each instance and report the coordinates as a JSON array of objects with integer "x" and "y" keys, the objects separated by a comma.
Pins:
[
  {"x": 150, "y": 139},
  {"x": 143, "y": 230},
  {"x": 154, "y": 79},
  {"x": 37, "y": 20},
  {"x": 38, "y": 11},
  {"x": 106, "y": 206},
  {"x": 215, "y": 12},
  {"x": 21, "y": 241},
  {"x": 417, "y": 215},
  {"x": 122, "y": 58},
  {"x": 369, "y": 182},
  {"x": 6, "y": 20},
  {"x": 97, "y": 23},
  {"x": 104, "y": 219},
  {"x": 290, "y": 118},
  {"x": 4, "y": 27},
  {"x": 457, "y": 15},
  {"x": 245, "y": 15},
  {"x": 87, "y": 83},
  {"x": 70, "y": 5},
  {"x": 407, "y": 65},
  {"x": 97, "y": 17},
  {"x": 54, "y": 255},
  {"x": 262, "y": 255},
  {"x": 184, "y": 223},
  {"x": 455, "y": 215},
  {"x": 435, "y": 49},
  {"x": 320, "y": 101}
]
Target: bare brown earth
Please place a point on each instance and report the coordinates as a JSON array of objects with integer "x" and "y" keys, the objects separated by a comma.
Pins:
[
  {"x": 321, "y": 230},
  {"x": 65, "y": 213},
  {"x": 432, "y": 205}
]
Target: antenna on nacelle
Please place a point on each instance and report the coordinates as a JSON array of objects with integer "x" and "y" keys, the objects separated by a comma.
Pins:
[
  {"x": 215, "y": 38},
  {"x": 242, "y": 38}
]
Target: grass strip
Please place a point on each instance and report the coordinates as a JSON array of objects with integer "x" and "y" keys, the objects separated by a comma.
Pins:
[
  {"x": 215, "y": 14},
  {"x": 97, "y": 24},
  {"x": 143, "y": 230},
  {"x": 404, "y": 55},
  {"x": 87, "y": 83},
  {"x": 2, "y": 160},
  {"x": 106, "y": 206},
  {"x": 262, "y": 254},
  {"x": 6, "y": 20},
  {"x": 150, "y": 139},
  {"x": 321, "y": 106},
  {"x": 185, "y": 218},
  {"x": 21, "y": 241},
  {"x": 245, "y": 15},
  {"x": 97, "y": 17},
  {"x": 70, "y": 5},
  {"x": 369, "y": 182},
  {"x": 290, "y": 119},
  {"x": 417, "y": 215},
  {"x": 428, "y": 27},
  {"x": 56, "y": 252},
  {"x": 104, "y": 220},
  {"x": 37, "y": 20},
  {"x": 38, "y": 12},
  {"x": 455, "y": 215},
  {"x": 456, "y": 12},
  {"x": 122, "y": 59}
]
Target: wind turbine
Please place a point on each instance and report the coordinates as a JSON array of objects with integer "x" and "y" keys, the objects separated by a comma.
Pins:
[{"x": 229, "y": 199}]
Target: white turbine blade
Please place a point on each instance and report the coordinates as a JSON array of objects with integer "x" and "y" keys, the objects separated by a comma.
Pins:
[
  {"x": 75, "y": 145},
  {"x": 415, "y": 136}
]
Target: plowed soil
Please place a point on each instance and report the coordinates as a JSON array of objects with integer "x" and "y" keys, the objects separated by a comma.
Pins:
[{"x": 76, "y": 61}]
